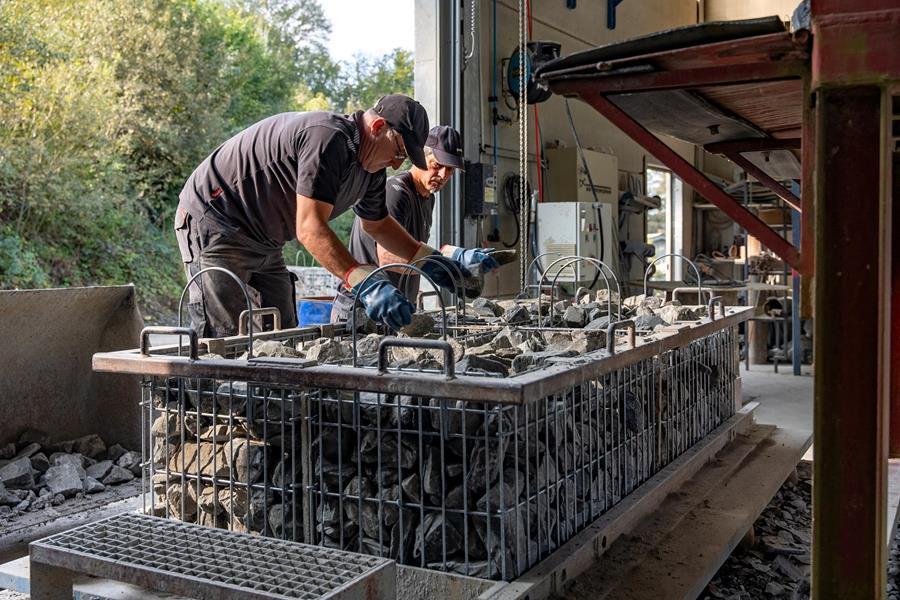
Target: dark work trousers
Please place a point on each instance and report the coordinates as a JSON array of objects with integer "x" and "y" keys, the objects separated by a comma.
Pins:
[{"x": 215, "y": 299}]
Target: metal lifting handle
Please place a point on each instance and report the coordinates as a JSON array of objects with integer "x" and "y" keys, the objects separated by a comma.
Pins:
[
  {"x": 690, "y": 290},
  {"x": 193, "y": 353},
  {"x": 361, "y": 285},
  {"x": 395, "y": 342},
  {"x": 531, "y": 265},
  {"x": 711, "y": 307},
  {"x": 611, "y": 334},
  {"x": 600, "y": 266},
  {"x": 682, "y": 257},
  {"x": 259, "y": 312},
  {"x": 552, "y": 288},
  {"x": 246, "y": 297},
  {"x": 459, "y": 289}
]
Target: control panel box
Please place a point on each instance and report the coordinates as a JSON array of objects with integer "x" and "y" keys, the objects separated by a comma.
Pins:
[
  {"x": 480, "y": 190},
  {"x": 568, "y": 181},
  {"x": 577, "y": 228}
]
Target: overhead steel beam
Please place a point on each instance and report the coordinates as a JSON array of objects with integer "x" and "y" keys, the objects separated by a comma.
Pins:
[
  {"x": 754, "y": 145},
  {"x": 686, "y": 171},
  {"x": 851, "y": 343},
  {"x": 765, "y": 179},
  {"x": 681, "y": 79}
]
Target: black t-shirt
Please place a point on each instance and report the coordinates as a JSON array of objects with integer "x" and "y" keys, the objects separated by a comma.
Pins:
[
  {"x": 253, "y": 179},
  {"x": 412, "y": 211}
]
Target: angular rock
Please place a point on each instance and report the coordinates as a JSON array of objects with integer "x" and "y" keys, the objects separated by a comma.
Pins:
[
  {"x": 273, "y": 348},
  {"x": 648, "y": 322},
  {"x": 34, "y": 436},
  {"x": 421, "y": 324},
  {"x": 517, "y": 315},
  {"x": 17, "y": 474},
  {"x": 117, "y": 475},
  {"x": 487, "y": 308},
  {"x": 40, "y": 462},
  {"x": 575, "y": 316},
  {"x": 526, "y": 361},
  {"x": 131, "y": 461},
  {"x": 599, "y": 323},
  {"x": 76, "y": 460},
  {"x": 28, "y": 450},
  {"x": 100, "y": 470},
  {"x": 7, "y": 451},
  {"x": 671, "y": 313},
  {"x": 329, "y": 351},
  {"x": 64, "y": 479},
  {"x": 92, "y": 486},
  {"x": 90, "y": 445},
  {"x": 485, "y": 364},
  {"x": 114, "y": 452}
]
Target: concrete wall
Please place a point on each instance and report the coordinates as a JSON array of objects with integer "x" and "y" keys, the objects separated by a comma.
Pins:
[{"x": 730, "y": 10}]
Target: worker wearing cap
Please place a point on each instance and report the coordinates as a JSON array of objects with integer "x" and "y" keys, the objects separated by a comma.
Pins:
[
  {"x": 410, "y": 200},
  {"x": 287, "y": 176}
]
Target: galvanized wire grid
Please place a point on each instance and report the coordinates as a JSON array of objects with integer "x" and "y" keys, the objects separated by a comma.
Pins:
[
  {"x": 474, "y": 488},
  {"x": 282, "y": 568}
]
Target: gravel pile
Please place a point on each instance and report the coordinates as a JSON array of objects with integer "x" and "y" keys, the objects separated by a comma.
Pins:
[
  {"x": 776, "y": 563},
  {"x": 38, "y": 473}
]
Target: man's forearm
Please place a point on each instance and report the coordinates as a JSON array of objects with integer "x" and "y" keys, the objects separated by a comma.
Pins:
[
  {"x": 327, "y": 249},
  {"x": 391, "y": 237}
]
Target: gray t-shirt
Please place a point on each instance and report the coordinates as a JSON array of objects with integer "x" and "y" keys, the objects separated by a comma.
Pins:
[
  {"x": 252, "y": 180},
  {"x": 412, "y": 211}
]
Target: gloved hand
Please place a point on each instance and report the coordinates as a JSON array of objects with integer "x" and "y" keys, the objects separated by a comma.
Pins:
[
  {"x": 382, "y": 301},
  {"x": 472, "y": 257},
  {"x": 439, "y": 267}
]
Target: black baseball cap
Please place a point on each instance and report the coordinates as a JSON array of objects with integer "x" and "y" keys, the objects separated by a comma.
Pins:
[
  {"x": 408, "y": 118},
  {"x": 445, "y": 144}
]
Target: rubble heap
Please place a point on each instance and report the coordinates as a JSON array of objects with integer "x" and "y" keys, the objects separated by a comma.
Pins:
[{"x": 36, "y": 472}]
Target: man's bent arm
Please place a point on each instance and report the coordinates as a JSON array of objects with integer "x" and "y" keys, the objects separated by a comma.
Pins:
[
  {"x": 318, "y": 238},
  {"x": 392, "y": 238}
]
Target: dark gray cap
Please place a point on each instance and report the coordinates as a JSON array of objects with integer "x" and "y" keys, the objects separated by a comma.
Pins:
[
  {"x": 445, "y": 143},
  {"x": 408, "y": 118}
]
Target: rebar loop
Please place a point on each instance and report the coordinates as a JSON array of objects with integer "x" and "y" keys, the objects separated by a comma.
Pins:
[
  {"x": 246, "y": 297},
  {"x": 353, "y": 332},
  {"x": 685, "y": 259}
]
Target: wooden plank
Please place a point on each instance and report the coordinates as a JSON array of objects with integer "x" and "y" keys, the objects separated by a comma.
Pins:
[{"x": 676, "y": 551}]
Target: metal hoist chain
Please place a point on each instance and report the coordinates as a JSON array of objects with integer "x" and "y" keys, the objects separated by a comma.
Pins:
[
  {"x": 468, "y": 55},
  {"x": 523, "y": 149}
]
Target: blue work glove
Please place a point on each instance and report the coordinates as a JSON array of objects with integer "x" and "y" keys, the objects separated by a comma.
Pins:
[
  {"x": 383, "y": 302},
  {"x": 442, "y": 270},
  {"x": 472, "y": 257}
]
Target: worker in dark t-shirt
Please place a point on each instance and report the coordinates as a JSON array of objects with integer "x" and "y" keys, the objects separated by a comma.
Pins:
[
  {"x": 410, "y": 200},
  {"x": 287, "y": 176}
]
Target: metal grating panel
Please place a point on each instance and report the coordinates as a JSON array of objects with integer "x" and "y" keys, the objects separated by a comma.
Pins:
[{"x": 275, "y": 567}]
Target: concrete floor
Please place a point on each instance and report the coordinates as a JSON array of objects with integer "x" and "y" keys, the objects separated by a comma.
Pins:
[{"x": 784, "y": 399}]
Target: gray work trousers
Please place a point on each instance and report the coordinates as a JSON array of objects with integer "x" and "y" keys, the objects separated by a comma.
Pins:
[{"x": 215, "y": 299}]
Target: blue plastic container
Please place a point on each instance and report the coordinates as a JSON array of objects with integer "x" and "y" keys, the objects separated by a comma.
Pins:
[{"x": 313, "y": 311}]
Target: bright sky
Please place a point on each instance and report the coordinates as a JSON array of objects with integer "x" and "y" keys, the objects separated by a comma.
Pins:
[{"x": 372, "y": 28}]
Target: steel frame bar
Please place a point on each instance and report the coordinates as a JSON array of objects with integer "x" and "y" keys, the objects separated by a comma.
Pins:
[
  {"x": 764, "y": 178},
  {"x": 894, "y": 443},
  {"x": 754, "y": 145},
  {"x": 686, "y": 171},
  {"x": 688, "y": 78},
  {"x": 851, "y": 343}
]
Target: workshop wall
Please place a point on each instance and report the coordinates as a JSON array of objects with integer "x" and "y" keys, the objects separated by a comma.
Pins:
[{"x": 729, "y": 10}]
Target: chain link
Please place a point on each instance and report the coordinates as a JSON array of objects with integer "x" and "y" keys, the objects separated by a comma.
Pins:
[{"x": 524, "y": 201}]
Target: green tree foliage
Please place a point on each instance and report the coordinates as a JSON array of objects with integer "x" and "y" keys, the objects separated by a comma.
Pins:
[{"x": 106, "y": 106}]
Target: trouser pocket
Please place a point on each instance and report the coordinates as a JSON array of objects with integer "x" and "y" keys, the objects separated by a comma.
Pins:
[{"x": 183, "y": 234}]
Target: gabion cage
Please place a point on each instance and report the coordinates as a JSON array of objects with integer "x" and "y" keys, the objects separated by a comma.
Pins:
[{"x": 469, "y": 474}]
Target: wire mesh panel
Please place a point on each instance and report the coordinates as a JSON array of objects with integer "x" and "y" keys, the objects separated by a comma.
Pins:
[{"x": 434, "y": 478}]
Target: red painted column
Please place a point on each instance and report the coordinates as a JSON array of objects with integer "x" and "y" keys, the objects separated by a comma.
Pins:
[
  {"x": 895, "y": 309},
  {"x": 852, "y": 346}
]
